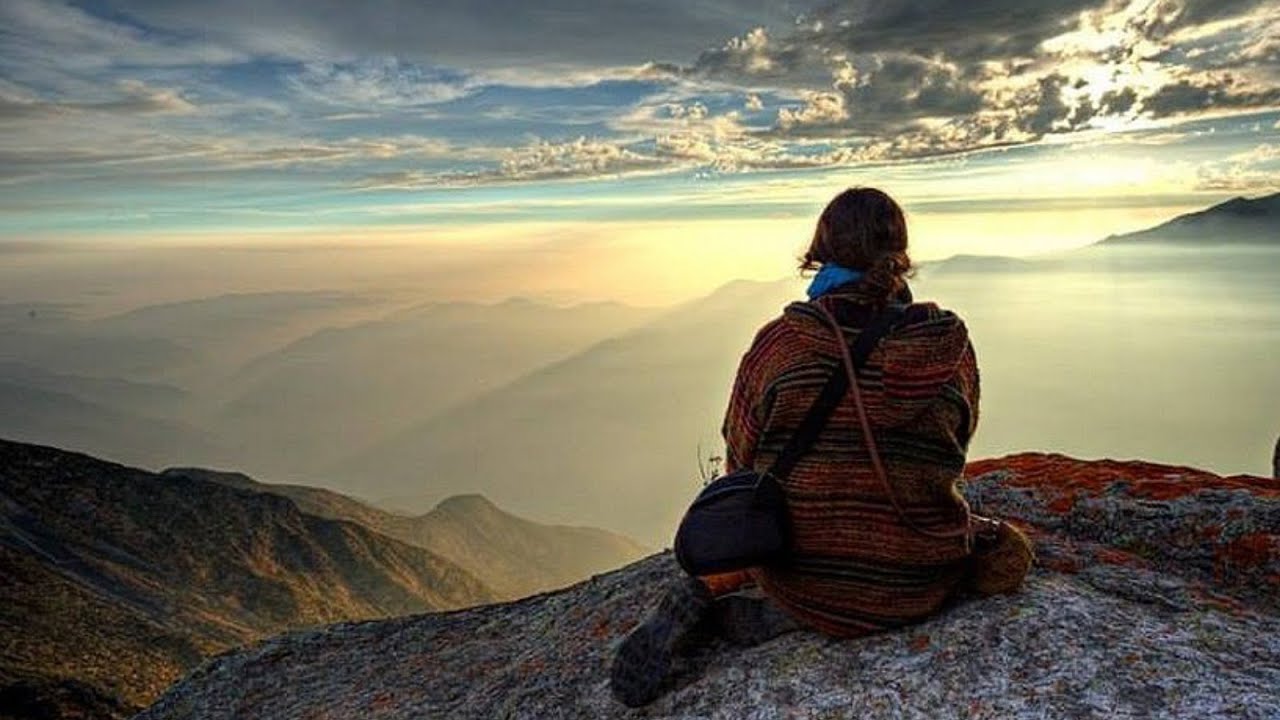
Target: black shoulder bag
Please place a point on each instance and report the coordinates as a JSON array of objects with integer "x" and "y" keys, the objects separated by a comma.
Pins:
[{"x": 740, "y": 520}]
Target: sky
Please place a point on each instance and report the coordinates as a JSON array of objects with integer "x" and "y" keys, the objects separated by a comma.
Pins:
[{"x": 1004, "y": 126}]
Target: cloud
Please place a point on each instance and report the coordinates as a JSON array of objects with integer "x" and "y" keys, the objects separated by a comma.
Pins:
[
  {"x": 821, "y": 109},
  {"x": 572, "y": 159},
  {"x": 698, "y": 146},
  {"x": 755, "y": 59},
  {"x": 688, "y": 136},
  {"x": 722, "y": 86},
  {"x": 149, "y": 157},
  {"x": 136, "y": 97},
  {"x": 1256, "y": 170},
  {"x": 56, "y": 45},
  {"x": 1117, "y": 101},
  {"x": 133, "y": 97},
  {"x": 1162, "y": 20},
  {"x": 284, "y": 153},
  {"x": 473, "y": 34},
  {"x": 1207, "y": 93},
  {"x": 582, "y": 157},
  {"x": 992, "y": 68},
  {"x": 378, "y": 82}
]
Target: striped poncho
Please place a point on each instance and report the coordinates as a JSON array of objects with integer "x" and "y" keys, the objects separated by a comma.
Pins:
[{"x": 857, "y": 566}]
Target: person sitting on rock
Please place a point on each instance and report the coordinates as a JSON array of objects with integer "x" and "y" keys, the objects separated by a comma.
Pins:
[{"x": 870, "y": 551}]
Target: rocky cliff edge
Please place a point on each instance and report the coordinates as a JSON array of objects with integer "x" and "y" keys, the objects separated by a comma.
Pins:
[{"x": 1156, "y": 596}]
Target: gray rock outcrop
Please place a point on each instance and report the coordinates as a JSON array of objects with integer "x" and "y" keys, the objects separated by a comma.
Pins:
[{"x": 1156, "y": 597}]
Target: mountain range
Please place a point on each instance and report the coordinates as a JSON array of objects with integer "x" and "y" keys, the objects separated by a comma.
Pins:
[
  {"x": 1239, "y": 221},
  {"x": 611, "y": 435},
  {"x": 298, "y": 408},
  {"x": 610, "y": 413},
  {"x": 116, "y": 580},
  {"x": 513, "y": 556}
]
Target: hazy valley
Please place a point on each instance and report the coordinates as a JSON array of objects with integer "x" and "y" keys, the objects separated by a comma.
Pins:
[{"x": 1156, "y": 345}]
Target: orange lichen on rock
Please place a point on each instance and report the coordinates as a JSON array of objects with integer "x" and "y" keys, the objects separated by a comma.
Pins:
[
  {"x": 601, "y": 629},
  {"x": 919, "y": 643},
  {"x": 1217, "y": 531},
  {"x": 1066, "y": 564},
  {"x": 1112, "y": 556},
  {"x": 1249, "y": 550},
  {"x": 1067, "y": 478}
]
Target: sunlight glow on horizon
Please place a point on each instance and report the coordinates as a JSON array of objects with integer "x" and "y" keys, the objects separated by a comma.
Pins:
[{"x": 643, "y": 263}]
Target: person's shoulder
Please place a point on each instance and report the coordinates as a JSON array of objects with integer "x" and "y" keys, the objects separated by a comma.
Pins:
[
  {"x": 929, "y": 318},
  {"x": 784, "y": 331},
  {"x": 775, "y": 329}
]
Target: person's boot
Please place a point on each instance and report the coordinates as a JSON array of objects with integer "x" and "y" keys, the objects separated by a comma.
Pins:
[
  {"x": 747, "y": 621},
  {"x": 643, "y": 662}
]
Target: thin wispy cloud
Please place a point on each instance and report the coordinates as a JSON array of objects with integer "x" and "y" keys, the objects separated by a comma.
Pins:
[
  {"x": 1250, "y": 171},
  {"x": 378, "y": 83},
  {"x": 131, "y": 97}
]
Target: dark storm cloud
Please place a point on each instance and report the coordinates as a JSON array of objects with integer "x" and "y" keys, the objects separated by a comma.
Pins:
[
  {"x": 470, "y": 33},
  {"x": 1047, "y": 107},
  {"x": 908, "y": 86},
  {"x": 572, "y": 88},
  {"x": 963, "y": 31},
  {"x": 982, "y": 72},
  {"x": 1168, "y": 16},
  {"x": 1118, "y": 102},
  {"x": 1188, "y": 96},
  {"x": 969, "y": 34},
  {"x": 992, "y": 30},
  {"x": 886, "y": 64}
]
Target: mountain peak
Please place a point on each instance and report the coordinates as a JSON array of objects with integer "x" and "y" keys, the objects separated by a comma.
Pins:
[
  {"x": 1241, "y": 205},
  {"x": 468, "y": 503},
  {"x": 1238, "y": 221}
]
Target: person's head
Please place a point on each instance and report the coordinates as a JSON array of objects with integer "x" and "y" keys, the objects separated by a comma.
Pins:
[{"x": 863, "y": 229}]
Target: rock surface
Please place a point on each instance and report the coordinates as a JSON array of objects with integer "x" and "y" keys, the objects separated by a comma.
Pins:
[{"x": 1156, "y": 597}]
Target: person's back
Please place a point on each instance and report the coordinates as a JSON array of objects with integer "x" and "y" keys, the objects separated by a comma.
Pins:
[
  {"x": 857, "y": 565},
  {"x": 880, "y": 536}
]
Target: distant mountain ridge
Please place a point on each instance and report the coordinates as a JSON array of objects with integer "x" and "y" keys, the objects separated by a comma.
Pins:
[
  {"x": 1239, "y": 221},
  {"x": 37, "y": 411},
  {"x": 117, "y": 580},
  {"x": 347, "y": 386},
  {"x": 609, "y": 436},
  {"x": 513, "y": 556},
  {"x": 643, "y": 403}
]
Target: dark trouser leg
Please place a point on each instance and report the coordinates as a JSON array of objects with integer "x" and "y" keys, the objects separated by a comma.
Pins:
[
  {"x": 643, "y": 662},
  {"x": 747, "y": 619}
]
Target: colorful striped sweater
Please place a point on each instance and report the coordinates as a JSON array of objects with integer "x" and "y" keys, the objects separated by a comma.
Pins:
[{"x": 858, "y": 568}]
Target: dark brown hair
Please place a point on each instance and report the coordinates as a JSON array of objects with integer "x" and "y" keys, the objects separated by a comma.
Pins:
[{"x": 863, "y": 229}]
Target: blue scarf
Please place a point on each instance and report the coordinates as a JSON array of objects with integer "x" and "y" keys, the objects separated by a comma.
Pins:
[{"x": 830, "y": 277}]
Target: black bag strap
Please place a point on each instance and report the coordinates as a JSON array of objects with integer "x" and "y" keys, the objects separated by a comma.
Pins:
[{"x": 833, "y": 391}]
